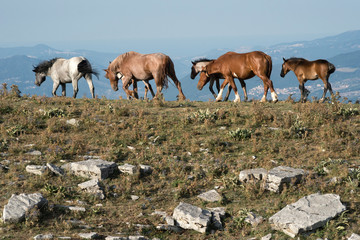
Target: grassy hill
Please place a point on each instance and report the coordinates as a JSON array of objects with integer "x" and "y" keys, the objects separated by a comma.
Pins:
[{"x": 191, "y": 146}]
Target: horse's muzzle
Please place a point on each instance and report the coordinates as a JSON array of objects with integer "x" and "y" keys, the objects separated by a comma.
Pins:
[
  {"x": 115, "y": 88},
  {"x": 199, "y": 87}
]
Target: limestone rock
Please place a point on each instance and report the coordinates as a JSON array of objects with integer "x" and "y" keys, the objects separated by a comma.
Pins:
[
  {"x": 210, "y": 196},
  {"x": 217, "y": 214},
  {"x": 73, "y": 122},
  {"x": 92, "y": 235},
  {"x": 43, "y": 236},
  {"x": 191, "y": 217},
  {"x": 170, "y": 228},
  {"x": 36, "y": 169},
  {"x": 354, "y": 236},
  {"x": 93, "y": 168},
  {"x": 34, "y": 153},
  {"x": 308, "y": 213},
  {"x": 266, "y": 237},
  {"x": 281, "y": 175},
  {"x": 145, "y": 169},
  {"x": 93, "y": 186},
  {"x": 55, "y": 169},
  {"x": 19, "y": 205},
  {"x": 128, "y": 168},
  {"x": 256, "y": 174},
  {"x": 254, "y": 219}
]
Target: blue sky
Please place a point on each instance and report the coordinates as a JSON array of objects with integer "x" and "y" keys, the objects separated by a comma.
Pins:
[{"x": 177, "y": 27}]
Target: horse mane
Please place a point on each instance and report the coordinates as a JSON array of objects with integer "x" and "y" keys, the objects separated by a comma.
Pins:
[
  {"x": 45, "y": 65},
  {"x": 202, "y": 60},
  {"x": 296, "y": 59}
]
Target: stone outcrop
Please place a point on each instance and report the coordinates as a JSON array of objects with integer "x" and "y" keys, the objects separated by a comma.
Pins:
[
  {"x": 93, "y": 186},
  {"x": 307, "y": 214},
  {"x": 19, "y": 205},
  {"x": 210, "y": 196},
  {"x": 93, "y": 168}
]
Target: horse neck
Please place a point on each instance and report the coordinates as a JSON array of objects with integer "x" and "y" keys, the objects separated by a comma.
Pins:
[{"x": 292, "y": 65}]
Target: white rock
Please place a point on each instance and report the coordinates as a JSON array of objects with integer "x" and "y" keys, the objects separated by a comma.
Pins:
[
  {"x": 73, "y": 122},
  {"x": 266, "y": 237},
  {"x": 307, "y": 214},
  {"x": 256, "y": 174},
  {"x": 354, "y": 236},
  {"x": 279, "y": 176},
  {"x": 44, "y": 236},
  {"x": 145, "y": 169},
  {"x": 210, "y": 196},
  {"x": 18, "y": 205},
  {"x": 93, "y": 186},
  {"x": 36, "y": 169},
  {"x": 92, "y": 235},
  {"x": 254, "y": 219},
  {"x": 55, "y": 169},
  {"x": 192, "y": 217},
  {"x": 134, "y": 197},
  {"x": 93, "y": 168},
  {"x": 170, "y": 228},
  {"x": 34, "y": 153},
  {"x": 128, "y": 168}
]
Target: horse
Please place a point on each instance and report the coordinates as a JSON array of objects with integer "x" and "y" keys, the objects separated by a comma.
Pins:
[
  {"x": 147, "y": 88},
  {"x": 309, "y": 70},
  {"x": 64, "y": 71},
  {"x": 242, "y": 66},
  {"x": 132, "y": 66},
  {"x": 197, "y": 67}
]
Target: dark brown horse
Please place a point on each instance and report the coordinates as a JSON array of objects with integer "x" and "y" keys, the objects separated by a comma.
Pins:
[
  {"x": 309, "y": 70},
  {"x": 132, "y": 66},
  {"x": 241, "y": 66}
]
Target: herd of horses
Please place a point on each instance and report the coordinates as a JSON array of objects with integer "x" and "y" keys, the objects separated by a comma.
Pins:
[{"x": 132, "y": 67}]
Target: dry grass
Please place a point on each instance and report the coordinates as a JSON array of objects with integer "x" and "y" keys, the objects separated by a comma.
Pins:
[{"x": 178, "y": 139}]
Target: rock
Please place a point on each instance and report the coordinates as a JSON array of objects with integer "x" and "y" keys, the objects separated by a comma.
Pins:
[
  {"x": 72, "y": 208},
  {"x": 191, "y": 217},
  {"x": 55, "y": 169},
  {"x": 44, "y": 236},
  {"x": 210, "y": 196},
  {"x": 354, "y": 236},
  {"x": 93, "y": 186},
  {"x": 3, "y": 168},
  {"x": 93, "y": 168},
  {"x": 137, "y": 238},
  {"x": 134, "y": 197},
  {"x": 308, "y": 213},
  {"x": 128, "y": 168},
  {"x": 92, "y": 235},
  {"x": 266, "y": 237},
  {"x": 73, "y": 122},
  {"x": 217, "y": 214},
  {"x": 279, "y": 176},
  {"x": 34, "y": 153},
  {"x": 115, "y": 238},
  {"x": 170, "y": 228},
  {"x": 19, "y": 205},
  {"x": 145, "y": 169},
  {"x": 36, "y": 169},
  {"x": 256, "y": 174},
  {"x": 254, "y": 219}
]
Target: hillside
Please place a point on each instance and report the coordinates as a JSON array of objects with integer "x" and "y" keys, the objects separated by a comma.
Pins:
[{"x": 191, "y": 147}]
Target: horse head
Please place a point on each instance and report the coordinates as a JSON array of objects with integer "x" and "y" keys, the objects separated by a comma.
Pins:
[
  {"x": 40, "y": 77},
  {"x": 194, "y": 72},
  {"x": 204, "y": 79},
  {"x": 113, "y": 78},
  {"x": 285, "y": 68}
]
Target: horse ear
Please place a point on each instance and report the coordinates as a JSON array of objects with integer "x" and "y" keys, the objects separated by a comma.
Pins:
[
  {"x": 284, "y": 59},
  {"x": 192, "y": 63},
  {"x": 105, "y": 70}
]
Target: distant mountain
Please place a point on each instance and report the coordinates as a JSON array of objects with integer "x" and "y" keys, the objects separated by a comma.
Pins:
[{"x": 342, "y": 50}]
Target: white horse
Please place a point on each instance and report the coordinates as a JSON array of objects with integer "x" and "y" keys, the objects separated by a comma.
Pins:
[
  {"x": 199, "y": 65},
  {"x": 65, "y": 71}
]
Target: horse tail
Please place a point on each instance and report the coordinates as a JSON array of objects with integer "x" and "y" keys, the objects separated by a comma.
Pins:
[
  {"x": 269, "y": 61},
  {"x": 331, "y": 68},
  {"x": 85, "y": 67}
]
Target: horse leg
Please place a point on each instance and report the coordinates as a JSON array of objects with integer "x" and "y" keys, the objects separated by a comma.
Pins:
[
  {"x": 88, "y": 78},
  {"x": 327, "y": 86},
  {"x": 135, "y": 89},
  {"x": 211, "y": 86},
  {"x": 151, "y": 90},
  {"x": 75, "y": 87},
  {"x": 126, "y": 82},
  {"x": 172, "y": 75},
  {"x": 228, "y": 93},
  {"x": 302, "y": 91},
  {"x": 268, "y": 84},
  {"x": 219, "y": 96},
  {"x": 55, "y": 87},
  {"x": 233, "y": 86},
  {"x": 243, "y": 85},
  {"x": 63, "y": 88}
]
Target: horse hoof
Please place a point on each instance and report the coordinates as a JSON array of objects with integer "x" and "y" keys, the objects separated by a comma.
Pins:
[
  {"x": 275, "y": 100},
  {"x": 217, "y": 100}
]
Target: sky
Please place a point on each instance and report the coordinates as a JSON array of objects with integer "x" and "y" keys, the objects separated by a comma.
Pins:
[{"x": 173, "y": 27}]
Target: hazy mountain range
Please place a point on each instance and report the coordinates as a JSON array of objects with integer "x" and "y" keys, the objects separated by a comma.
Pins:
[{"x": 342, "y": 50}]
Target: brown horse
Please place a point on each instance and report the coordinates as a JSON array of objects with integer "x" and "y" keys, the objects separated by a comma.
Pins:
[
  {"x": 132, "y": 66},
  {"x": 241, "y": 66},
  {"x": 198, "y": 66},
  {"x": 309, "y": 70}
]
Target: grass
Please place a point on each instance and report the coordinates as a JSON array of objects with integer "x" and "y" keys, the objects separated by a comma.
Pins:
[{"x": 191, "y": 146}]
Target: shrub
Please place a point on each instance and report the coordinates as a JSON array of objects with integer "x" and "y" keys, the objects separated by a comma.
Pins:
[
  {"x": 240, "y": 134},
  {"x": 202, "y": 115},
  {"x": 347, "y": 112}
]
